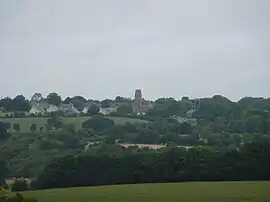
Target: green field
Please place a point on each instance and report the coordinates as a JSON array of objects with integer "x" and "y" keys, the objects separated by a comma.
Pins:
[
  {"x": 195, "y": 192},
  {"x": 25, "y": 123}
]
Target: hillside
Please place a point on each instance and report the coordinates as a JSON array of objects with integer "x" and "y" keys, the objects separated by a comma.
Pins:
[{"x": 193, "y": 192}]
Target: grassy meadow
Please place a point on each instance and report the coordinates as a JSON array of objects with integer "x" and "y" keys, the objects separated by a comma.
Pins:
[
  {"x": 186, "y": 192},
  {"x": 26, "y": 122}
]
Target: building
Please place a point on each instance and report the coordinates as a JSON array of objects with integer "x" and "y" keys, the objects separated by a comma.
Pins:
[
  {"x": 107, "y": 110},
  {"x": 138, "y": 96},
  {"x": 39, "y": 108},
  {"x": 149, "y": 146},
  {"x": 180, "y": 119},
  {"x": 85, "y": 110},
  {"x": 52, "y": 108},
  {"x": 69, "y": 109},
  {"x": 140, "y": 105}
]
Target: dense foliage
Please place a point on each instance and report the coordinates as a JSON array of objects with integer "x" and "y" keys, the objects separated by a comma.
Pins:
[
  {"x": 3, "y": 171},
  {"x": 250, "y": 162}
]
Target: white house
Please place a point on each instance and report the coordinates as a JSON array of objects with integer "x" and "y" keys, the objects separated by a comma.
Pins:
[
  {"x": 108, "y": 110},
  {"x": 85, "y": 110},
  {"x": 69, "y": 109},
  {"x": 39, "y": 108},
  {"x": 52, "y": 108}
]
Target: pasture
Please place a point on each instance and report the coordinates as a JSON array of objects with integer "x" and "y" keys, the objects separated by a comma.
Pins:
[
  {"x": 26, "y": 122},
  {"x": 186, "y": 192}
]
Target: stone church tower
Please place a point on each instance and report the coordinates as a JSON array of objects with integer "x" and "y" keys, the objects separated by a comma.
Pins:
[
  {"x": 138, "y": 97},
  {"x": 140, "y": 105}
]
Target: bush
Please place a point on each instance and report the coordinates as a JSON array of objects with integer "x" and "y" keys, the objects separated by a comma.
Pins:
[
  {"x": 4, "y": 189},
  {"x": 19, "y": 185},
  {"x": 7, "y": 125},
  {"x": 17, "y": 198},
  {"x": 3, "y": 131},
  {"x": 54, "y": 123},
  {"x": 16, "y": 127},
  {"x": 98, "y": 123},
  {"x": 33, "y": 127},
  {"x": 5, "y": 186}
]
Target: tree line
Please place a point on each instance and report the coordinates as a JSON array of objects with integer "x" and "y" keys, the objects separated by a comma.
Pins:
[{"x": 250, "y": 162}]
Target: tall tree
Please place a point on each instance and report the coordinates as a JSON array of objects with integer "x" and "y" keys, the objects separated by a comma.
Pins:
[
  {"x": 78, "y": 97},
  {"x": 3, "y": 131},
  {"x": 3, "y": 171},
  {"x": 93, "y": 110},
  {"x": 106, "y": 103},
  {"x": 6, "y": 103},
  {"x": 36, "y": 97},
  {"x": 20, "y": 103},
  {"x": 54, "y": 99}
]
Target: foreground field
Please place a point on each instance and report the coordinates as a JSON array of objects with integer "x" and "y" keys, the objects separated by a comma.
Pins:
[
  {"x": 25, "y": 123},
  {"x": 199, "y": 191}
]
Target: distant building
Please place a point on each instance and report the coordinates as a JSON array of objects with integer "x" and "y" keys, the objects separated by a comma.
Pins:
[
  {"x": 39, "y": 108},
  {"x": 85, "y": 110},
  {"x": 149, "y": 146},
  {"x": 107, "y": 110},
  {"x": 140, "y": 105},
  {"x": 52, "y": 108},
  {"x": 180, "y": 119},
  {"x": 42, "y": 108},
  {"x": 138, "y": 96},
  {"x": 69, "y": 109}
]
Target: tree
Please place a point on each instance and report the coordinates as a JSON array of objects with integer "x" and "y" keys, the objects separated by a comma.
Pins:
[
  {"x": 124, "y": 109},
  {"x": 106, "y": 103},
  {"x": 7, "y": 103},
  {"x": 33, "y": 127},
  {"x": 20, "y": 103},
  {"x": 3, "y": 131},
  {"x": 19, "y": 185},
  {"x": 98, "y": 123},
  {"x": 120, "y": 99},
  {"x": 78, "y": 104},
  {"x": 113, "y": 165},
  {"x": 36, "y": 97},
  {"x": 78, "y": 97},
  {"x": 93, "y": 110},
  {"x": 16, "y": 127},
  {"x": 3, "y": 171},
  {"x": 54, "y": 123},
  {"x": 67, "y": 100},
  {"x": 54, "y": 99}
]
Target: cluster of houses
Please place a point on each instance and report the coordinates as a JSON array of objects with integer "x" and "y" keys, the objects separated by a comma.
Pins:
[
  {"x": 42, "y": 108},
  {"x": 140, "y": 106}
]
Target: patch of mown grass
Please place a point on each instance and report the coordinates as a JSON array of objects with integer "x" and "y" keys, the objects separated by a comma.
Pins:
[
  {"x": 26, "y": 122},
  {"x": 186, "y": 192}
]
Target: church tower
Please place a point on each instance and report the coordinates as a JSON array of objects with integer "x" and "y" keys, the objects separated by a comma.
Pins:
[{"x": 138, "y": 97}]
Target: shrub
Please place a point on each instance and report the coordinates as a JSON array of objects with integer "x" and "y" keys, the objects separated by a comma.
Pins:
[
  {"x": 33, "y": 127},
  {"x": 19, "y": 185},
  {"x": 98, "y": 123},
  {"x": 3, "y": 131},
  {"x": 41, "y": 129},
  {"x": 16, "y": 127},
  {"x": 7, "y": 125},
  {"x": 17, "y": 198}
]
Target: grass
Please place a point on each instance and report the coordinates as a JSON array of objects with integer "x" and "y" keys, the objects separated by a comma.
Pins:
[
  {"x": 25, "y": 123},
  {"x": 185, "y": 192}
]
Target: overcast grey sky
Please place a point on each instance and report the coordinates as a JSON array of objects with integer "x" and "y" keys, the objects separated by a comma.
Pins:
[{"x": 104, "y": 48}]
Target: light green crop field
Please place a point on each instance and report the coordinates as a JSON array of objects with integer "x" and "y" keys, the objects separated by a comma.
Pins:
[
  {"x": 171, "y": 192},
  {"x": 25, "y": 123}
]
